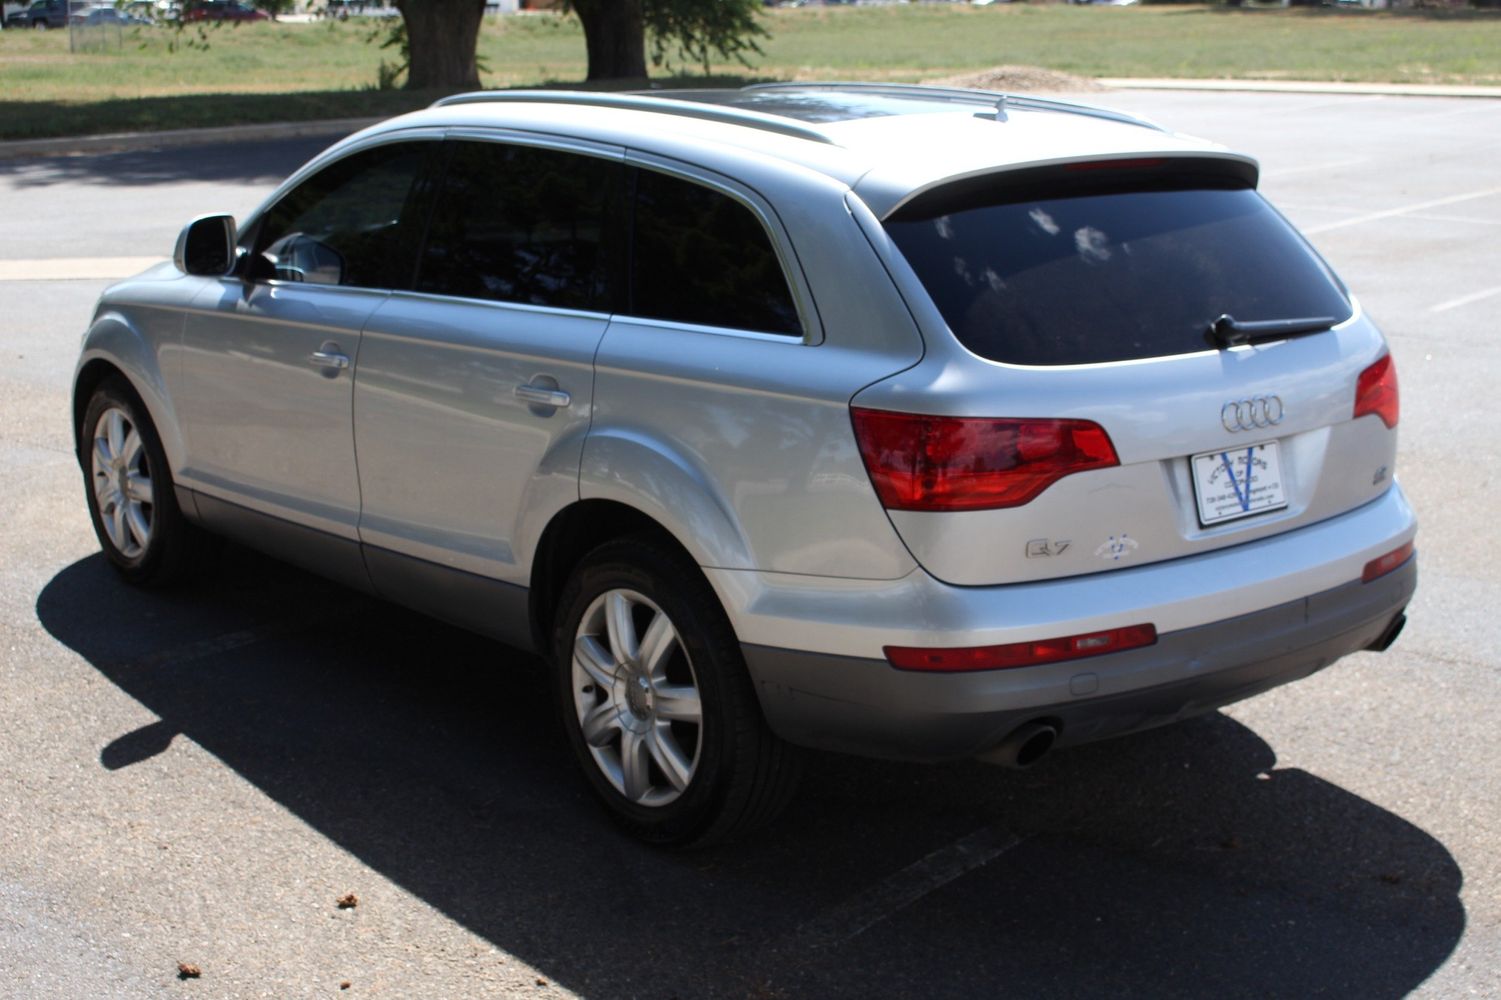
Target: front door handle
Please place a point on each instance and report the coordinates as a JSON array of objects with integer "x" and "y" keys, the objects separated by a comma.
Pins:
[{"x": 542, "y": 395}]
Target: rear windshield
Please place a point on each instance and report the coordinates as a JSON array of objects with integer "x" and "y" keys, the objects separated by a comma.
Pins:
[{"x": 1108, "y": 275}]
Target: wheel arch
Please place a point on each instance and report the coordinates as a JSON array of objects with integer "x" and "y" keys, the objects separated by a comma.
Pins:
[
  {"x": 572, "y": 534},
  {"x": 114, "y": 347}
]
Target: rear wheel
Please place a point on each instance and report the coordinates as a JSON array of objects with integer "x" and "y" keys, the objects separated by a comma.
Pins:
[
  {"x": 657, "y": 703},
  {"x": 132, "y": 502}
]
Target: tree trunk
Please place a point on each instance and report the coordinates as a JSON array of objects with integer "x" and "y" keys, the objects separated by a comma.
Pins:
[
  {"x": 442, "y": 35},
  {"x": 614, "y": 37}
]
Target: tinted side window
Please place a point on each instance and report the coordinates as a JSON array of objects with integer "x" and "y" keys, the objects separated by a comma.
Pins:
[
  {"x": 702, "y": 257},
  {"x": 519, "y": 224},
  {"x": 351, "y": 223}
]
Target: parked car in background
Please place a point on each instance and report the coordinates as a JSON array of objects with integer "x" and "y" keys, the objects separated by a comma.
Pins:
[
  {"x": 901, "y": 421},
  {"x": 222, "y": 10},
  {"x": 102, "y": 16},
  {"x": 41, "y": 15}
]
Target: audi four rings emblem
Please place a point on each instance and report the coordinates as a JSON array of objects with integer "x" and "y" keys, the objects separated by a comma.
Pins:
[{"x": 1251, "y": 414}]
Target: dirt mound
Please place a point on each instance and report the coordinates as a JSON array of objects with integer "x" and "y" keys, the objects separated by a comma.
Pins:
[{"x": 1020, "y": 79}]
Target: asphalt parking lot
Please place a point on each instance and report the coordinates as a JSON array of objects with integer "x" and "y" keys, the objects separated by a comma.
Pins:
[{"x": 200, "y": 776}]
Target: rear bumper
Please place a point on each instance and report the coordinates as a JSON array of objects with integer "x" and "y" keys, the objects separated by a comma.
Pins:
[{"x": 865, "y": 706}]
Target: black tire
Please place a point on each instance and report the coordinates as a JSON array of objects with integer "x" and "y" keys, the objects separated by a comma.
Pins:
[
  {"x": 151, "y": 545},
  {"x": 741, "y": 774}
]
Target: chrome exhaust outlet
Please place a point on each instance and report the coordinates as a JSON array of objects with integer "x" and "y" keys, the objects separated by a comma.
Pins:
[{"x": 1027, "y": 744}]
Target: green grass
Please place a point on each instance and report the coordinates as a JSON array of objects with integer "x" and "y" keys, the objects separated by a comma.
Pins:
[{"x": 274, "y": 72}]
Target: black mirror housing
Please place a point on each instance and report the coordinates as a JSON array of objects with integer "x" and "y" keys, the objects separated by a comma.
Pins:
[{"x": 206, "y": 246}]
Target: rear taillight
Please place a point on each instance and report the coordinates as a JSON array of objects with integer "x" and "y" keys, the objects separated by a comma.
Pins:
[
  {"x": 921, "y": 462},
  {"x": 1385, "y": 564},
  {"x": 1020, "y": 654},
  {"x": 1376, "y": 391}
]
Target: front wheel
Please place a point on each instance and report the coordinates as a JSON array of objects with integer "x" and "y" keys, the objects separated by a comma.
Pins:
[
  {"x": 132, "y": 502},
  {"x": 657, "y": 702}
]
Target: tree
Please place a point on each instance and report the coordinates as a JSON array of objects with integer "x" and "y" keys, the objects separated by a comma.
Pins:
[
  {"x": 616, "y": 31},
  {"x": 441, "y": 39}
]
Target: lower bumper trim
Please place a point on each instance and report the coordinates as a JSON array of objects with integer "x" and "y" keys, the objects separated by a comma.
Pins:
[{"x": 867, "y": 707}]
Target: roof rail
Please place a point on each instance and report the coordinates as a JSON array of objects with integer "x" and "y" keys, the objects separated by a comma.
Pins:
[
  {"x": 988, "y": 98},
  {"x": 641, "y": 102}
]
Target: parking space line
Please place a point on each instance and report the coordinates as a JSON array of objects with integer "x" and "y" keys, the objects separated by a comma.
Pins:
[
  {"x": 900, "y": 890},
  {"x": 1309, "y": 168},
  {"x": 1465, "y": 300},
  {"x": 74, "y": 268},
  {"x": 1393, "y": 212}
]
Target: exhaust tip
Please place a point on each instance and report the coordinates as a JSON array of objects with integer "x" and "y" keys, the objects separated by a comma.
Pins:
[
  {"x": 1026, "y": 745},
  {"x": 1384, "y": 641}
]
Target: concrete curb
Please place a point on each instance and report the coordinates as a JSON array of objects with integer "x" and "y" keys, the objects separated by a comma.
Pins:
[{"x": 129, "y": 141}]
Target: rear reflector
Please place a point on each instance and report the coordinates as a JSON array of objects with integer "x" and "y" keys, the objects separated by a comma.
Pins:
[
  {"x": 1376, "y": 391},
  {"x": 919, "y": 462},
  {"x": 1380, "y": 567},
  {"x": 1021, "y": 654}
]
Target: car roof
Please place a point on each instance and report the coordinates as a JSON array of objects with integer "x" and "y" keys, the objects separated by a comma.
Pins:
[{"x": 887, "y": 142}]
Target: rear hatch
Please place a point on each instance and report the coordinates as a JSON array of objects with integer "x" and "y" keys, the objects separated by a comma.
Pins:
[{"x": 1128, "y": 361}]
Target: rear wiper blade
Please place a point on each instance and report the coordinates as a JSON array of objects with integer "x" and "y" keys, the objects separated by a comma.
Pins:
[{"x": 1227, "y": 331}]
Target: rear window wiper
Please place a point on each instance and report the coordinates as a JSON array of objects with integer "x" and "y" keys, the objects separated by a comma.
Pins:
[{"x": 1227, "y": 331}]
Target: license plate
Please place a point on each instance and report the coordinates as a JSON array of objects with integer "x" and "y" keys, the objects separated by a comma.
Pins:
[{"x": 1238, "y": 482}]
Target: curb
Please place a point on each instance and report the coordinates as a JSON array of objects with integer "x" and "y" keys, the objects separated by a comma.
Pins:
[{"x": 130, "y": 141}]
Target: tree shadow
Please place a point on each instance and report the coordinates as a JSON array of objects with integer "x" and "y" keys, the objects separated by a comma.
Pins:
[{"x": 1180, "y": 862}]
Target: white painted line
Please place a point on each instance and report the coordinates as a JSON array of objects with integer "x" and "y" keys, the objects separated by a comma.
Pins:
[
  {"x": 855, "y": 915},
  {"x": 1392, "y": 212},
  {"x": 1465, "y": 300},
  {"x": 74, "y": 268},
  {"x": 1314, "y": 167}
]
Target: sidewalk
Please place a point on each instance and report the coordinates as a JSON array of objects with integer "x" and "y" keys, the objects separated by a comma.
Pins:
[{"x": 332, "y": 128}]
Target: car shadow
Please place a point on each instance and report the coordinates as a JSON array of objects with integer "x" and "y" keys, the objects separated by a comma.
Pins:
[{"x": 1180, "y": 862}]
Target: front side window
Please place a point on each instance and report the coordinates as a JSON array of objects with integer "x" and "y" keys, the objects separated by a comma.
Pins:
[
  {"x": 701, "y": 257},
  {"x": 521, "y": 224},
  {"x": 349, "y": 224}
]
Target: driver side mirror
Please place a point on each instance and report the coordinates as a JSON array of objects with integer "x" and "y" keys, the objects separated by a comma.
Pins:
[{"x": 206, "y": 246}]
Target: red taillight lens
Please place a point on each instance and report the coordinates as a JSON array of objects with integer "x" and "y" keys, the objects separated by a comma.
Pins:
[
  {"x": 1376, "y": 391},
  {"x": 1021, "y": 654},
  {"x": 921, "y": 462},
  {"x": 1384, "y": 565}
]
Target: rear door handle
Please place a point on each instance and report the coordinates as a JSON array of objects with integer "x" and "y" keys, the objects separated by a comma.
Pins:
[
  {"x": 542, "y": 395},
  {"x": 328, "y": 359}
]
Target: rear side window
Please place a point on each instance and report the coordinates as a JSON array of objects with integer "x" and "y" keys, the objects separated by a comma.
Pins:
[
  {"x": 520, "y": 224},
  {"x": 701, "y": 257},
  {"x": 351, "y": 223},
  {"x": 1110, "y": 275}
]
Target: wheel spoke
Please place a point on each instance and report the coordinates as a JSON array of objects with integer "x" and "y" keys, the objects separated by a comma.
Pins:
[
  {"x": 595, "y": 660},
  {"x": 601, "y": 724},
  {"x": 114, "y": 428},
  {"x": 678, "y": 703},
  {"x": 657, "y": 645},
  {"x": 138, "y": 488},
  {"x": 131, "y": 450},
  {"x": 103, "y": 489},
  {"x": 102, "y": 455},
  {"x": 135, "y": 518},
  {"x": 118, "y": 532},
  {"x": 669, "y": 756},
  {"x": 621, "y": 627},
  {"x": 634, "y": 759}
]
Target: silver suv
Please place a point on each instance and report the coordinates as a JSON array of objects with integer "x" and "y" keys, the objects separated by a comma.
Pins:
[{"x": 899, "y": 421}]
